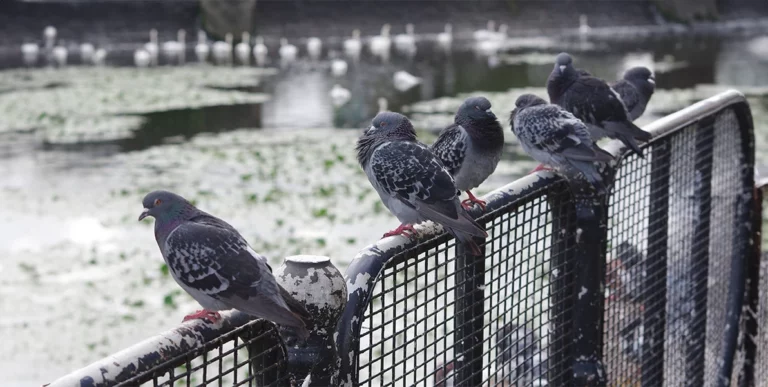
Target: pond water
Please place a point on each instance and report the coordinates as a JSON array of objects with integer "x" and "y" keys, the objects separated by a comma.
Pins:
[{"x": 264, "y": 149}]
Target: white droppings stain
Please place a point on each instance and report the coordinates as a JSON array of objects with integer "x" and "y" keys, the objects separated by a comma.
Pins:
[
  {"x": 578, "y": 234},
  {"x": 555, "y": 272},
  {"x": 582, "y": 292},
  {"x": 360, "y": 282},
  {"x": 307, "y": 381},
  {"x": 481, "y": 287}
]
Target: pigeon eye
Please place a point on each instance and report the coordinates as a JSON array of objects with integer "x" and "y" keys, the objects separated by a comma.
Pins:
[{"x": 157, "y": 202}]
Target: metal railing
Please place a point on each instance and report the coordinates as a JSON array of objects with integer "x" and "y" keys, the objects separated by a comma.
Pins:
[{"x": 642, "y": 286}]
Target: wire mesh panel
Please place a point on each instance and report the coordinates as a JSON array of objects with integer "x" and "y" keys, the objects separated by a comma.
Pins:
[
  {"x": 421, "y": 328},
  {"x": 672, "y": 235},
  {"x": 251, "y": 355}
]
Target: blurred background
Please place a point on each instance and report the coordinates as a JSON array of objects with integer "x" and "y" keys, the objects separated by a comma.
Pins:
[{"x": 102, "y": 101}]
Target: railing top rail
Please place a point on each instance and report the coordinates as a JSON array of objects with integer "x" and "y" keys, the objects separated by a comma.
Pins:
[{"x": 156, "y": 350}]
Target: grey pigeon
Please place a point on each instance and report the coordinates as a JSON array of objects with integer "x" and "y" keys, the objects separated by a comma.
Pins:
[
  {"x": 519, "y": 356},
  {"x": 411, "y": 181},
  {"x": 212, "y": 262},
  {"x": 471, "y": 148},
  {"x": 554, "y": 137},
  {"x": 591, "y": 100},
  {"x": 636, "y": 89}
]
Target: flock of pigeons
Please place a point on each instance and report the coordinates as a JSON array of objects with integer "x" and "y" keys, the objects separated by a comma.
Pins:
[{"x": 212, "y": 262}]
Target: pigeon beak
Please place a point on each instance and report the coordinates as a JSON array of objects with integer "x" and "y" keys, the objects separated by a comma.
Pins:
[
  {"x": 562, "y": 68},
  {"x": 652, "y": 81},
  {"x": 144, "y": 214},
  {"x": 490, "y": 113}
]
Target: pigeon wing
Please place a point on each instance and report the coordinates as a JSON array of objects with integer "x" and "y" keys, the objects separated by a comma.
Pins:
[
  {"x": 411, "y": 173},
  {"x": 450, "y": 147},
  {"x": 629, "y": 94},
  {"x": 557, "y": 132},
  {"x": 209, "y": 256},
  {"x": 591, "y": 100}
]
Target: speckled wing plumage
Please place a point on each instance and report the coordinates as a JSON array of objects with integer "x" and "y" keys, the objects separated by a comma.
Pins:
[
  {"x": 631, "y": 98},
  {"x": 451, "y": 147},
  {"x": 555, "y": 137},
  {"x": 592, "y": 101},
  {"x": 410, "y": 173},
  {"x": 215, "y": 265}
]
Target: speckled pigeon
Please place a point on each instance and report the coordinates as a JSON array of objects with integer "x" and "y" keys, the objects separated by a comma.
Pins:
[
  {"x": 594, "y": 102},
  {"x": 212, "y": 262},
  {"x": 471, "y": 148},
  {"x": 636, "y": 89},
  {"x": 411, "y": 181},
  {"x": 555, "y": 137}
]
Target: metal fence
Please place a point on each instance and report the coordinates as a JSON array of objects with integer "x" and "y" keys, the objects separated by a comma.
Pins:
[{"x": 644, "y": 286}]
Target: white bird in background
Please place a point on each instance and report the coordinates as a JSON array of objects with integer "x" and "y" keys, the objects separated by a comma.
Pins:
[
  {"x": 243, "y": 49},
  {"x": 260, "y": 52},
  {"x": 151, "y": 46},
  {"x": 86, "y": 52},
  {"x": 49, "y": 35},
  {"x": 383, "y": 105},
  {"x": 404, "y": 81},
  {"x": 445, "y": 38},
  {"x": 339, "y": 67},
  {"x": 60, "y": 54},
  {"x": 353, "y": 45},
  {"x": 202, "y": 50},
  {"x": 406, "y": 42},
  {"x": 339, "y": 95},
  {"x": 99, "y": 57},
  {"x": 30, "y": 52},
  {"x": 174, "y": 49},
  {"x": 493, "y": 42},
  {"x": 287, "y": 51},
  {"x": 141, "y": 58},
  {"x": 485, "y": 33},
  {"x": 222, "y": 51},
  {"x": 380, "y": 44},
  {"x": 584, "y": 28},
  {"x": 314, "y": 48}
]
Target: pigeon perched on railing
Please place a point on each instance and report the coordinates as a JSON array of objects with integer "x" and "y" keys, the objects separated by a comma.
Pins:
[
  {"x": 411, "y": 181},
  {"x": 594, "y": 102},
  {"x": 554, "y": 137},
  {"x": 471, "y": 147},
  {"x": 636, "y": 89},
  {"x": 212, "y": 262}
]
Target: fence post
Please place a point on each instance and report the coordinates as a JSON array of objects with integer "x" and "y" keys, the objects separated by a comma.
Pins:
[
  {"x": 591, "y": 235},
  {"x": 752, "y": 294},
  {"x": 320, "y": 287},
  {"x": 562, "y": 296},
  {"x": 699, "y": 268},
  {"x": 468, "y": 339},
  {"x": 267, "y": 353},
  {"x": 655, "y": 283}
]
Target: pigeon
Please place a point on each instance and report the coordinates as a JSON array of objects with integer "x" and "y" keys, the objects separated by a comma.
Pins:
[
  {"x": 591, "y": 100},
  {"x": 636, "y": 89},
  {"x": 555, "y": 137},
  {"x": 411, "y": 181},
  {"x": 523, "y": 362},
  {"x": 212, "y": 262},
  {"x": 471, "y": 148}
]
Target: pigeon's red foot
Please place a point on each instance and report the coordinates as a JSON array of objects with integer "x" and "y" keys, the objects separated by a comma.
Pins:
[
  {"x": 467, "y": 203},
  {"x": 541, "y": 167},
  {"x": 210, "y": 316},
  {"x": 406, "y": 230}
]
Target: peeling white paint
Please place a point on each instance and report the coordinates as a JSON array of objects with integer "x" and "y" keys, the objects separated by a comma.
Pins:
[
  {"x": 481, "y": 287},
  {"x": 319, "y": 287},
  {"x": 578, "y": 234},
  {"x": 583, "y": 292},
  {"x": 307, "y": 381}
]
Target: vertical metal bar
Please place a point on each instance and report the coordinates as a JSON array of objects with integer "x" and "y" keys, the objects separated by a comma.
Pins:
[
  {"x": 752, "y": 294},
  {"x": 655, "y": 284},
  {"x": 699, "y": 270},
  {"x": 468, "y": 340},
  {"x": 561, "y": 290},
  {"x": 591, "y": 235}
]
